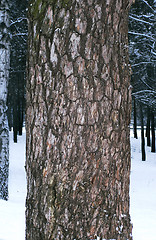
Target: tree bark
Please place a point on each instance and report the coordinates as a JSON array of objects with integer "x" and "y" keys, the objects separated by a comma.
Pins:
[
  {"x": 78, "y": 116},
  {"x": 4, "y": 129}
]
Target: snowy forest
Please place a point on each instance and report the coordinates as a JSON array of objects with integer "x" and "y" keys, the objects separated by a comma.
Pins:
[
  {"x": 142, "y": 47},
  {"x": 14, "y": 45}
]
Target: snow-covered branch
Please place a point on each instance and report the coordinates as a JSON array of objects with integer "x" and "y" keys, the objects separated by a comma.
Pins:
[
  {"x": 148, "y": 16},
  {"x": 148, "y": 5},
  {"x": 144, "y": 92},
  {"x": 140, "y": 63},
  {"x": 20, "y": 34},
  {"x": 142, "y": 34},
  {"x": 154, "y": 53},
  {"x": 18, "y": 21},
  {"x": 140, "y": 20},
  {"x": 142, "y": 51},
  {"x": 146, "y": 84},
  {"x": 146, "y": 96}
]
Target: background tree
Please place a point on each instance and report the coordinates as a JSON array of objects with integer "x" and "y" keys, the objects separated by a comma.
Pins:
[
  {"x": 142, "y": 51},
  {"x": 78, "y": 115},
  {"x": 16, "y": 88},
  {"x": 142, "y": 42},
  {"x": 4, "y": 74}
]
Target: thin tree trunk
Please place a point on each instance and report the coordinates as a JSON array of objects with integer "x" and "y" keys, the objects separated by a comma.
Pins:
[
  {"x": 15, "y": 122},
  {"x": 78, "y": 116},
  {"x": 148, "y": 127},
  {"x": 142, "y": 135},
  {"x": 4, "y": 152},
  {"x": 20, "y": 119},
  {"x": 19, "y": 102},
  {"x": 135, "y": 120},
  {"x": 152, "y": 132},
  {"x": 10, "y": 120},
  {"x": 4, "y": 129}
]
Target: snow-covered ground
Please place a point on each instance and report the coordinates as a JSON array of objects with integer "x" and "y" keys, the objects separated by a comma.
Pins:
[
  {"x": 142, "y": 193},
  {"x": 12, "y": 212}
]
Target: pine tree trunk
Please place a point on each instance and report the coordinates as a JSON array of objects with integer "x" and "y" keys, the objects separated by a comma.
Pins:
[
  {"x": 142, "y": 135},
  {"x": 78, "y": 116},
  {"x": 4, "y": 129},
  {"x": 15, "y": 122},
  {"x": 153, "y": 132},
  {"x": 148, "y": 127},
  {"x": 135, "y": 120}
]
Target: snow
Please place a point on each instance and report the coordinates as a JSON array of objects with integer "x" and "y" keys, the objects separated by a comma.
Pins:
[
  {"x": 142, "y": 193},
  {"x": 12, "y": 212}
]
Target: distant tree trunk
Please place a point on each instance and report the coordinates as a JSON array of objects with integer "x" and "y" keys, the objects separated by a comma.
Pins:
[
  {"x": 4, "y": 129},
  {"x": 135, "y": 120},
  {"x": 15, "y": 121},
  {"x": 142, "y": 135},
  {"x": 19, "y": 105},
  {"x": 148, "y": 127},
  {"x": 20, "y": 124},
  {"x": 22, "y": 115},
  {"x": 153, "y": 132},
  {"x": 9, "y": 114},
  {"x": 78, "y": 116}
]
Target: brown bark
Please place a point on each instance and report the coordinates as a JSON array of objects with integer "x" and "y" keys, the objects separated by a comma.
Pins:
[{"x": 78, "y": 115}]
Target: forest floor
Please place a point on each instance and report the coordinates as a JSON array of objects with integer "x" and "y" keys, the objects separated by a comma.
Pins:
[{"x": 142, "y": 194}]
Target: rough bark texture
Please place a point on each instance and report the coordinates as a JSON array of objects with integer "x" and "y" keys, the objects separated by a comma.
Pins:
[
  {"x": 4, "y": 73},
  {"x": 78, "y": 115}
]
